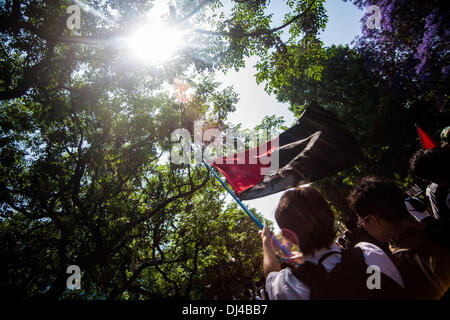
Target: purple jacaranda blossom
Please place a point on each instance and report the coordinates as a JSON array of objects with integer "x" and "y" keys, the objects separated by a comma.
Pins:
[{"x": 410, "y": 50}]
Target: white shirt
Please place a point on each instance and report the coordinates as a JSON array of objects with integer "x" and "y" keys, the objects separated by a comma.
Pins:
[
  {"x": 431, "y": 191},
  {"x": 419, "y": 216},
  {"x": 284, "y": 285}
]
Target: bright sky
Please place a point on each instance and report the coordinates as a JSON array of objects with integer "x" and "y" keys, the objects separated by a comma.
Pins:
[{"x": 342, "y": 27}]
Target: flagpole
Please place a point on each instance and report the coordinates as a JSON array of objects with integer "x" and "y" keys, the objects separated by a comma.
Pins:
[
  {"x": 260, "y": 225},
  {"x": 420, "y": 137},
  {"x": 255, "y": 219}
]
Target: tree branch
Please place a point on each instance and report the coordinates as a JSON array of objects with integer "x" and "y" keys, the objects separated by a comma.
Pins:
[
  {"x": 194, "y": 12},
  {"x": 259, "y": 32}
]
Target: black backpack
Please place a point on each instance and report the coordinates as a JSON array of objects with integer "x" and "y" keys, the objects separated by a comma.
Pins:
[{"x": 347, "y": 281}]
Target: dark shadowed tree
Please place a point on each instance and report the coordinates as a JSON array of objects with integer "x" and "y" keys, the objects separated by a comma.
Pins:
[
  {"x": 383, "y": 124},
  {"x": 85, "y": 173}
]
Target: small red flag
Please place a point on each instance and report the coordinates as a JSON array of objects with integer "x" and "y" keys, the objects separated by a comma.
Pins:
[{"x": 427, "y": 141}]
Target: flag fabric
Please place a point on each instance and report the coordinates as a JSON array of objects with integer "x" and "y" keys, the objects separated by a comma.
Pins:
[
  {"x": 318, "y": 146},
  {"x": 427, "y": 141}
]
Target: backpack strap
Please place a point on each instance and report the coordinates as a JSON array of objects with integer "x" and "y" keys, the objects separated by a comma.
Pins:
[
  {"x": 313, "y": 276},
  {"x": 353, "y": 257},
  {"x": 326, "y": 255},
  {"x": 347, "y": 280},
  {"x": 349, "y": 274}
]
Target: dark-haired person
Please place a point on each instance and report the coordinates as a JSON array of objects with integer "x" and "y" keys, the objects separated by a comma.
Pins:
[
  {"x": 424, "y": 265},
  {"x": 328, "y": 271},
  {"x": 355, "y": 234},
  {"x": 433, "y": 166}
]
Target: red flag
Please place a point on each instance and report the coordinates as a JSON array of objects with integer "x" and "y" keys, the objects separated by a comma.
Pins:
[
  {"x": 427, "y": 141},
  {"x": 246, "y": 175}
]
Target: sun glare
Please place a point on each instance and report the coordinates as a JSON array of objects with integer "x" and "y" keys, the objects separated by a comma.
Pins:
[{"x": 155, "y": 43}]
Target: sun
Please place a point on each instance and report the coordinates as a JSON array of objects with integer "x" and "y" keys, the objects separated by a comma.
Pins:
[{"x": 155, "y": 43}]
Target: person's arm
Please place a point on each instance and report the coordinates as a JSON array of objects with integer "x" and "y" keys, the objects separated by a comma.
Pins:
[{"x": 270, "y": 260}]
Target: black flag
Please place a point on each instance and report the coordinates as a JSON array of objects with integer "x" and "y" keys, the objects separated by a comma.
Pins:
[{"x": 318, "y": 146}]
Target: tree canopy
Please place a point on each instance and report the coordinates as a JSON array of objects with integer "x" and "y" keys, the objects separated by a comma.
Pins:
[{"x": 86, "y": 135}]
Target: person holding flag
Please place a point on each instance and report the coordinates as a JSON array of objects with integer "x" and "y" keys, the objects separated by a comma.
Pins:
[
  {"x": 328, "y": 271},
  {"x": 431, "y": 164},
  {"x": 318, "y": 146}
]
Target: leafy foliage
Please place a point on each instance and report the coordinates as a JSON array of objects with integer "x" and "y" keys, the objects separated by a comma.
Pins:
[{"x": 410, "y": 49}]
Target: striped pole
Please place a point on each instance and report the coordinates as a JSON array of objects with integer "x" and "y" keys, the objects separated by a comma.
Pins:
[
  {"x": 255, "y": 219},
  {"x": 420, "y": 137}
]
